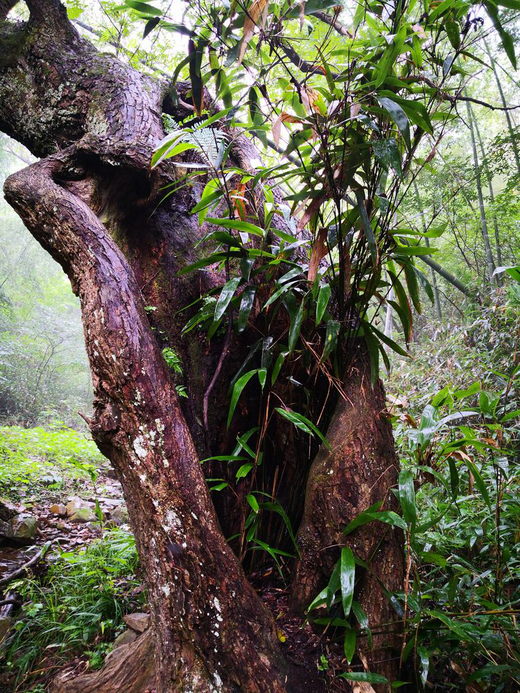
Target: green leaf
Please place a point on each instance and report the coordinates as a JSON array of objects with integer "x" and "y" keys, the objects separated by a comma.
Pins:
[
  {"x": 398, "y": 116},
  {"x": 226, "y": 294},
  {"x": 143, "y": 7},
  {"x": 303, "y": 424},
  {"x": 347, "y": 578},
  {"x": 322, "y": 302},
  {"x": 366, "y": 676},
  {"x": 244, "y": 470},
  {"x": 479, "y": 482},
  {"x": 296, "y": 326},
  {"x": 386, "y": 516},
  {"x": 171, "y": 148},
  {"x": 237, "y": 391},
  {"x": 248, "y": 298},
  {"x": 331, "y": 338},
  {"x": 453, "y": 32},
  {"x": 388, "y": 155},
  {"x": 367, "y": 227},
  {"x": 195, "y": 51},
  {"x": 277, "y": 366},
  {"x": 349, "y": 644},
  {"x": 150, "y": 26},
  {"x": 253, "y": 502},
  {"x": 507, "y": 39},
  {"x": 238, "y": 225},
  {"x": 407, "y": 496}
]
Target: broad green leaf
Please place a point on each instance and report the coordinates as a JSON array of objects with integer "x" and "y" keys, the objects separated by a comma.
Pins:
[
  {"x": 143, "y": 7},
  {"x": 479, "y": 482},
  {"x": 238, "y": 225},
  {"x": 347, "y": 578},
  {"x": 171, "y": 148},
  {"x": 507, "y": 39},
  {"x": 277, "y": 366},
  {"x": 237, "y": 391},
  {"x": 331, "y": 338},
  {"x": 253, "y": 502},
  {"x": 349, "y": 644},
  {"x": 398, "y": 116},
  {"x": 366, "y": 676},
  {"x": 322, "y": 302},
  {"x": 388, "y": 155},
  {"x": 246, "y": 304},
  {"x": 367, "y": 227},
  {"x": 407, "y": 496},
  {"x": 244, "y": 470},
  {"x": 303, "y": 424},
  {"x": 226, "y": 294},
  {"x": 296, "y": 326}
]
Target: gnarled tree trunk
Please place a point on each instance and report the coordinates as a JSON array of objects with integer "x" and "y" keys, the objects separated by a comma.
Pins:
[{"x": 89, "y": 202}]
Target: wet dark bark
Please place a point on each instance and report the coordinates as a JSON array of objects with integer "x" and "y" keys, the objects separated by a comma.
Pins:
[{"x": 92, "y": 202}]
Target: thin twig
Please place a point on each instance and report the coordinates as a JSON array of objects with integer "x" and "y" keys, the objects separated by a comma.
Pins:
[{"x": 24, "y": 568}]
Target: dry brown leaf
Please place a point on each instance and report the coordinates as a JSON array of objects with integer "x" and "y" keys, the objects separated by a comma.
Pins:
[
  {"x": 311, "y": 210},
  {"x": 277, "y": 125},
  {"x": 354, "y": 109},
  {"x": 362, "y": 687},
  {"x": 309, "y": 99},
  {"x": 277, "y": 129},
  {"x": 258, "y": 9},
  {"x": 318, "y": 252},
  {"x": 288, "y": 118}
]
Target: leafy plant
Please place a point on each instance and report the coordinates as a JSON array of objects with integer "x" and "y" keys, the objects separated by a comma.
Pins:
[
  {"x": 39, "y": 457},
  {"x": 80, "y": 601}
]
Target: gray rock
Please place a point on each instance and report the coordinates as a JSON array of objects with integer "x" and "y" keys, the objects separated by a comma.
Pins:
[
  {"x": 119, "y": 515},
  {"x": 76, "y": 504},
  {"x": 23, "y": 528},
  {"x": 84, "y": 514},
  {"x": 139, "y": 621},
  {"x": 4, "y": 529},
  {"x": 7, "y": 509},
  {"x": 125, "y": 638}
]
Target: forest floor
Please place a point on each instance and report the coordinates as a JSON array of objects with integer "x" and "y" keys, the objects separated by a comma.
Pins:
[{"x": 78, "y": 521}]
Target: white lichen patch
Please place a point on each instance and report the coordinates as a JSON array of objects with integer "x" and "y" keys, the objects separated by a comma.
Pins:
[
  {"x": 173, "y": 522},
  {"x": 139, "y": 447}
]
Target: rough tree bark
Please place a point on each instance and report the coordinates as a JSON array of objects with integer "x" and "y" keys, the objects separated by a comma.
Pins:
[
  {"x": 357, "y": 471},
  {"x": 89, "y": 201}
]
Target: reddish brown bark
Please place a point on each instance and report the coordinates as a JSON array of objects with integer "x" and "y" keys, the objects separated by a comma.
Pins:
[{"x": 358, "y": 470}]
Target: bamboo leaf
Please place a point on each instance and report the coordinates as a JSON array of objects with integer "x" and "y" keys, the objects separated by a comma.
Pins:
[
  {"x": 248, "y": 298},
  {"x": 237, "y": 391},
  {"x": 347, "y": 578},
  {"x": 322, "y": 302},
  {"x": 226, "y": 294},
  {"x": 407, "y": 496},
  {"x": 398, "y": 116}
]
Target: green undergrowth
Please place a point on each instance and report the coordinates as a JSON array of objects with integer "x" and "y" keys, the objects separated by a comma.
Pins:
[
  {"x": 77, "y": 607},
  {"x": 32, "y": 459}
]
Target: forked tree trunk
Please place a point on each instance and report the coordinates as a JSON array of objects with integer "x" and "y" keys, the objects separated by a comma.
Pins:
[{"x": 92, "y": 202}]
